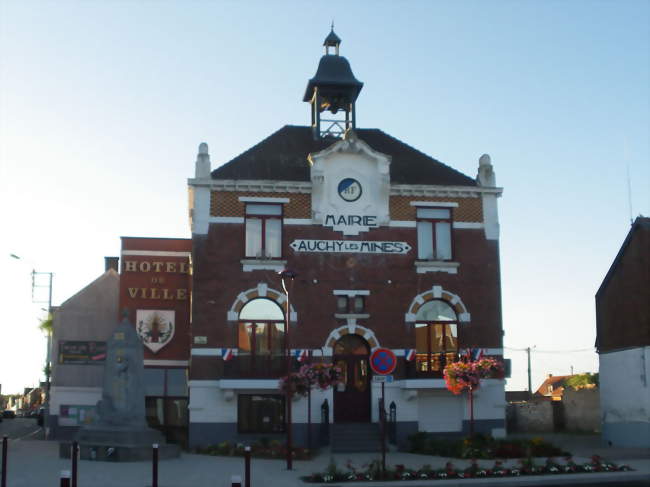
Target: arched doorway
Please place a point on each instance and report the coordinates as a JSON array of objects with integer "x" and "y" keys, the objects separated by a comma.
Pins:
[{"x": 352, "y": 398}]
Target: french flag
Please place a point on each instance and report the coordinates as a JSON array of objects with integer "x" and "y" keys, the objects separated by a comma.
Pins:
[
  {"x": 300, "y": 354},
  {"x": 410, "y": 354},
  {"x": 227, "y": 354},
  {"x": 475, "y": 354}
]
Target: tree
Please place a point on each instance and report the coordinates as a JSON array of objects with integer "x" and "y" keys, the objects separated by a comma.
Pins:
[{"x": 582, "y": 381}]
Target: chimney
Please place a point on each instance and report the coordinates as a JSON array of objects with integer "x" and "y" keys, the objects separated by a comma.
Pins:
[{"x": 111, "y": 263}]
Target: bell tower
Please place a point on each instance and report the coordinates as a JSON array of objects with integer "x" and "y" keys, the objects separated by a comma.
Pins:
[{"x": 333, "y": 89}]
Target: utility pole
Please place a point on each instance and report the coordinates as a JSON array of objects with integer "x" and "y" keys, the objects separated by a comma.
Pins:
[{"x": 530, "y": 387}]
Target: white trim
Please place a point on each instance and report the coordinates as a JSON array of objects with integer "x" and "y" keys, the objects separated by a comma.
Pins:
[
  {"x": 206, "y": 352},
  {"x": 260, "y": 199},
  {"x": 157, "y": 253},
  {"x": 442, "y": 191},
  {"x": 203, "y": 383},
  {"x": 402, "y": 223},
  {"x": 269, "y": 384},
  {"x": 350, "y": 292},
  {"x": 256, "y": 185},
  {"x": 351, "y": 316},
  {"x": 226, "y": 219},
  {"x": 298, "y": 221},
  {"x": 167, "y": 363},
  {"x": 249, "y": 265},
  {"x": 423, "y": 384},
  {"x": 456, "y": 225},
  {"x": 441, "y": 204},
  {"x": 423, "y": 266}
]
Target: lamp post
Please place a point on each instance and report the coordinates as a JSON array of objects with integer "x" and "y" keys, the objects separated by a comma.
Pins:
[
  {"x": 48, "y": 352},
  {"x": 284, "y": 276}
]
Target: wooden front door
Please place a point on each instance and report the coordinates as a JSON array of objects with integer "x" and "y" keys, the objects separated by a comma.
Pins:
[{"x": 352, "y": 398}]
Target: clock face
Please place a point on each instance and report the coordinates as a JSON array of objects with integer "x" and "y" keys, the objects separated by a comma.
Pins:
[{"x": 350, "y": 189}]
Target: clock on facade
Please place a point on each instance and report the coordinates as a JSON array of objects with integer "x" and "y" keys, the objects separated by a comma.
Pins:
[{"x": 350, "y": 189}]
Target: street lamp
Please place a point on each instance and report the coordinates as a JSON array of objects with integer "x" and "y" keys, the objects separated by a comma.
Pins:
[
  {"x": 48, "y": 355},
  {"x": 290, "y": 276}
]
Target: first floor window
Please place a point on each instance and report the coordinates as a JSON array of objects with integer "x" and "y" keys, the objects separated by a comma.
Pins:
[
  {"x": 260, "y": 335},
  {"x": 434, "y": 233},
  {"x": 260, "y": 413},
  {"x": 436, "y": 336},
  {"x": 264, "y": 231}
]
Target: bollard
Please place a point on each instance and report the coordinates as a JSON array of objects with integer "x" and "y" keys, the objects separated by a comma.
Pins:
[
  {"x": 65, "y": 478},
  {"x": 235, "y": 481},
  {"x": 247, "y": 466},
  {"x": 5, "y": 445},
  {"x": 75, "y": 457},
  {"x": 154, "y": 472}
]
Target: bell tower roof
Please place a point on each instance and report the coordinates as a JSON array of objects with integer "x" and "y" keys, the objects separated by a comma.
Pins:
[{"x": 333, "y": 88}]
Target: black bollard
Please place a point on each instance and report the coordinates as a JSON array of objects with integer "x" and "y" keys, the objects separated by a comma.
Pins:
[
  {"x": 154, "y": 473},
  {"x": 75, "y": 457},
  {"x": 247, "y": 466},
  {"x": 65, "y": 478},
  {"x": 5, "y": 445}
]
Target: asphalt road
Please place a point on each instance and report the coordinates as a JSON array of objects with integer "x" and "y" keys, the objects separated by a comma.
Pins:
[{"x": 19, "y": 428}]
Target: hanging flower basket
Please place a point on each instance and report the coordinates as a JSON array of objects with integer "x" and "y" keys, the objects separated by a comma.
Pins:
[
  {"x": 468, "y": 374},
  {"x": 318, "y": 375}
]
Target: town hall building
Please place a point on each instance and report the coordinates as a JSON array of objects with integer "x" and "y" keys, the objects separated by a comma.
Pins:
[{"x": 390, "y": 248}]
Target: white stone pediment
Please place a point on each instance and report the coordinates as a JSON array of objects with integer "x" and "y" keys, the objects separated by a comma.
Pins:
[{"x": 350, "y": 186}]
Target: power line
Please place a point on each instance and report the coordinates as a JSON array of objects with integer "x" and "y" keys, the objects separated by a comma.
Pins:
[{"x": 590, "y": 349}]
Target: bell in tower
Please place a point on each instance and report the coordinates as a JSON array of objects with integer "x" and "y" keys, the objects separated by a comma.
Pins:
[{"x": 333, "y": 89}]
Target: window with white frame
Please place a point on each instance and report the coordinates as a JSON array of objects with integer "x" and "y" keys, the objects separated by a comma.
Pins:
[
  {"x": 263, "y": 231},
  {"x": 434, "y": 233}
]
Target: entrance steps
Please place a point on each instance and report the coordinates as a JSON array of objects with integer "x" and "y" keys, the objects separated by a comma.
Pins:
[{"x": 355, "y": 437}]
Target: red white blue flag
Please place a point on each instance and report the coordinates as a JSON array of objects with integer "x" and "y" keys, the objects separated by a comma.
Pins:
[
  {"x": 300, "y": 354},
  {"x": 474, "y": 354},
  {"x": 410, "y": 354},
  {"x": 227, "y": 354}
]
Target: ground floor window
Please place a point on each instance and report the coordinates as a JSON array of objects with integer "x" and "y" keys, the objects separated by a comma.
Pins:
[
  {"x": 170, "y": 416},
  {"x": 260, "y": 413}
]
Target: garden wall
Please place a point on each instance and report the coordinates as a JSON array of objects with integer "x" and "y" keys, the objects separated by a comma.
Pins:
[
  {"x": 582, "y": 409},
  {"x": 534, "y": 416}
]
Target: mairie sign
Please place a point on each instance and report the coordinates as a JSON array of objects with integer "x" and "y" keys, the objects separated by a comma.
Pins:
[{"x": 349, "y": 246}]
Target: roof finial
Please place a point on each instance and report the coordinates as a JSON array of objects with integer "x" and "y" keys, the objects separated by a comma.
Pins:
[{"x": 332, "y": 25}]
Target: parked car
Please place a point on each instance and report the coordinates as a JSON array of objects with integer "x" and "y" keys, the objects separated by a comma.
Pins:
[{"x": 8, "y": 413}]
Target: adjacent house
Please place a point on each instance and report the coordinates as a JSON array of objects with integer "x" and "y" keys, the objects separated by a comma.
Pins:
[{"x": 623, "y": 341}]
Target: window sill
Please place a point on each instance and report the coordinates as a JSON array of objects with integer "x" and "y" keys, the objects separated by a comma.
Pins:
[
  {"x": 249, "y": 265},
  {"x": 423, "y": 266},
  {"x": 358, "y": 316}
]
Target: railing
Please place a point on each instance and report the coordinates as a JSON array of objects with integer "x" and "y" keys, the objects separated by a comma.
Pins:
[
  {"x": 256, "y": 367},
  {"x": 419, "y": 369}
]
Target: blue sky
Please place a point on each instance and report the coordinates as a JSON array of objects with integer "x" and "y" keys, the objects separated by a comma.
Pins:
[{"x": 103, "y": 105}]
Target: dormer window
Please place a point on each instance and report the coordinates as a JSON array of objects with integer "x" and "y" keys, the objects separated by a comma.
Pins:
[
  {"x": 263, "y": 231},
  {"x": 434, "y": 233}
]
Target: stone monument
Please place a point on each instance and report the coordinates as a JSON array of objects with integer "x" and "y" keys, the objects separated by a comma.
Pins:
[{"x": 121, "y": 433}]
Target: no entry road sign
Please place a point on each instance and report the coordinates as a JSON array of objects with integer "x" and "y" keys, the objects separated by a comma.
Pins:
[{"x": 383, "y": 361}]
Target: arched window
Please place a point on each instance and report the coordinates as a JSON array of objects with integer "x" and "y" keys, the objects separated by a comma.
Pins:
[
  {"x": 436, "y": 336},
  {"x": 261, "y": 335}
]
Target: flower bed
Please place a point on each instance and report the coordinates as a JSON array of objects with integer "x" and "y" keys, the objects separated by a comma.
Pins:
[
  {"x": 482, "y": 446},
  {"x": 372, "y": 470},
  {"x": 263, "y": 448}
]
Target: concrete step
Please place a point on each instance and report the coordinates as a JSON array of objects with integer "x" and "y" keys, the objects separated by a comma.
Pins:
[{"x": 355, "y": 437}]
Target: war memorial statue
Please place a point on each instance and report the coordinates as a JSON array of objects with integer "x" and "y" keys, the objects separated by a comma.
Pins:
[{"x": 120, "y": 432}]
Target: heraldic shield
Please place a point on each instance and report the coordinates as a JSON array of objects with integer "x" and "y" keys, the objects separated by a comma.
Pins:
[{"x": 155, "y": 327}]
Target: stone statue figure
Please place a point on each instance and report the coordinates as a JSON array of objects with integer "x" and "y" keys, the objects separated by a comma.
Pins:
[{"x": 122, "y": 400}]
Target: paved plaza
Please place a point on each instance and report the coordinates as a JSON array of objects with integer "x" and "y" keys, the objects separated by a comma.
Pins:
[{"x": 35, "y": 463}]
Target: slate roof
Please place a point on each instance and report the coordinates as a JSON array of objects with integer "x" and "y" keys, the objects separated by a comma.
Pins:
[{"x": 283, "y": 157}]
